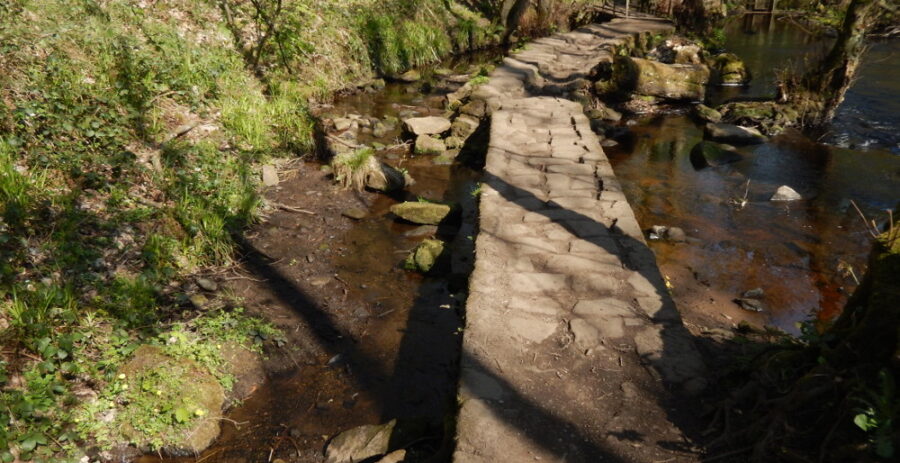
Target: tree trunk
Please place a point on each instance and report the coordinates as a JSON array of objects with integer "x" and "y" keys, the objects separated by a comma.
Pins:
[{"x": 828, "y": 83}]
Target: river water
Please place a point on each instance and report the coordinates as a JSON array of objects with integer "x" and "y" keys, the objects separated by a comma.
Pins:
[{"x": 805, "y": 255}]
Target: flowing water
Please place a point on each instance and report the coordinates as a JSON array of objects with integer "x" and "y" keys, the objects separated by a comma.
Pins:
[{"x": 807, "y": 254}]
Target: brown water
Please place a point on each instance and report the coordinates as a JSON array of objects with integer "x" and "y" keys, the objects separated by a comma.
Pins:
[{"x": 797, "y": 252}]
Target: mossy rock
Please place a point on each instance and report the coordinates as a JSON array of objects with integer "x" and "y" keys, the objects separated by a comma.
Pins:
[
  {"x": 426, "y": 144},
  {"x": 707, "y": 114},
  {"x": 422, "y": 213},
  {"x": 669, "y": 81},
  {"x": 425, "y": 256},
  {"x": 729, "y": 69},
  {"x": 169, "y": 403}
]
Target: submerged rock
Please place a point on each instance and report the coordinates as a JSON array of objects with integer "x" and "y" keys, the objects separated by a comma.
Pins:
[
  {"x": 670, "y": 81},
  {"x": 421, "y": 212},
  {"x": 706, "y": 154},
  {"x": 729, "y": 70},
  {"x": 734, "y": 134},
  {"x": 361, "y": 443},
  {"x": 786, "y": 193},
  {"x": 755, "y": 293},
  {"x": 426, "y": 144},
  {"x": 354, "y": 213},
  {"x": 426, "y": 254},
  {"x": 430, "y": 125},
  {"x": 751, "y": 305}
]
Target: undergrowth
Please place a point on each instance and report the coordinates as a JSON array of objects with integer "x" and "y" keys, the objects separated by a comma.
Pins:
[{"x": 130, "y": 139}]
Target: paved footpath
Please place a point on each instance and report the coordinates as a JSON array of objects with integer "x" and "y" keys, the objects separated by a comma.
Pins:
[{"x": 573, "y": 350}]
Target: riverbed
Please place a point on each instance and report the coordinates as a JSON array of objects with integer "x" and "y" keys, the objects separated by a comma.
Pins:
[{"x": 806, "y": 256}]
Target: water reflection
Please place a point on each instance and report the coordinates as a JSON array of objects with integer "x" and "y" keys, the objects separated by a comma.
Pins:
[
  {"x": 792, "y": 250},
  {"x": 870, "y": 114}
]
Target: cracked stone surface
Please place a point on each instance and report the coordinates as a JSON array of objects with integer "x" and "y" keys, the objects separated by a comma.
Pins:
[{"x": 573, "y": 350}]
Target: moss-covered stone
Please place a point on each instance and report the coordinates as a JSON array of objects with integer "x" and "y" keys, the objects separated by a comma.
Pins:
[
  {"x": 670, "y": 81},
  {"x": 422, "y": 213},
  {"x": 707, "y": 114},
  {"x": 426, "y": 144},
  {"x": 169, "y": 402},
  {"x": 423, "y": 258},
  {"x": 729, "y": 69}
]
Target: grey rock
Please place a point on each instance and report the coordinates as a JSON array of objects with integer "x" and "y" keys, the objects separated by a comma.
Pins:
[
  {"x": 360, "y": 443},
  {"x": 430, "y": 125},
  {"x": 474, "y": 108},
  {"x": 396, "y": 456},
  {"x": 342, "y": 123},
  {"x": 756, "y": 293},
  {"x": 676, "y": 235},
  {"x": 423, "y": 230},
  {"x": 752, "y": 305},
  {"x": 734, "y": 134},
  {"x": 269, "y": 175},
  {"x": 608, "y": 143},
  {"x": 786, "y": 193},
  {"x": 426, "y": 144}
]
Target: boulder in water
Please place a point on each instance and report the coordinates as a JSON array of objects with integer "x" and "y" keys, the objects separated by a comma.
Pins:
[
  {"x": 360, "y": 443},
  {"x": 669, "y": 81},
  {"x": 729, "y": 70},
  {"x": 430, "y": 125},
  {"x": 709, "y": 154},
  {"x": 734, "y": 134},
  {"x": 422, "y": 213},
  {"x": 426, "y": 144},
  {"x": 786, "y": 193},
  {"x": 423, "y": 258}
]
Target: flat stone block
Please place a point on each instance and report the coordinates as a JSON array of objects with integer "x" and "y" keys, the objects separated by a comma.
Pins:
[
  {"x": 531, "y": 329},
  {"x": 530, "y": 283},
  {"x": 597, "y": 283},
  {"x": 577, "y": 264},
  {"x": 535, "y": 304}
]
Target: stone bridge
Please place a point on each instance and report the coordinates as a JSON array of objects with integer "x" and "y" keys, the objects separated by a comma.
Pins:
[{"x": 573, "y": 350}]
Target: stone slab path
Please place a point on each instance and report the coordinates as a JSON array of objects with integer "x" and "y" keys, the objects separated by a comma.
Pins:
[{"x": 573, "y": 350}]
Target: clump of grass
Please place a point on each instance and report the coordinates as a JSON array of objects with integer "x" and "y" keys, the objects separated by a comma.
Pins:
[{"x": 356, "y": 169}]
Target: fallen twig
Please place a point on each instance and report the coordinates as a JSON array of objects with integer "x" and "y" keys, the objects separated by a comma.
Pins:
[{"x": 294, "y": 209}]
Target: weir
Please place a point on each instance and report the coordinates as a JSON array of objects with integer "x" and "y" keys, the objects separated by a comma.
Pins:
[{"x": 573, "y": 349}]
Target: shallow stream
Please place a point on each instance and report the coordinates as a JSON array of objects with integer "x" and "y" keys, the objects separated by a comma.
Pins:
[
  {"x": 805, "y": 255},
  {"x": 406, "y": 333}
]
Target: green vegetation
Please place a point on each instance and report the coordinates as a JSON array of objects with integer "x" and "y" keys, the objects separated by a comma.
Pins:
[
  {"x": 354, "y": 168},
  {"x": 130, "y": 135}
]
